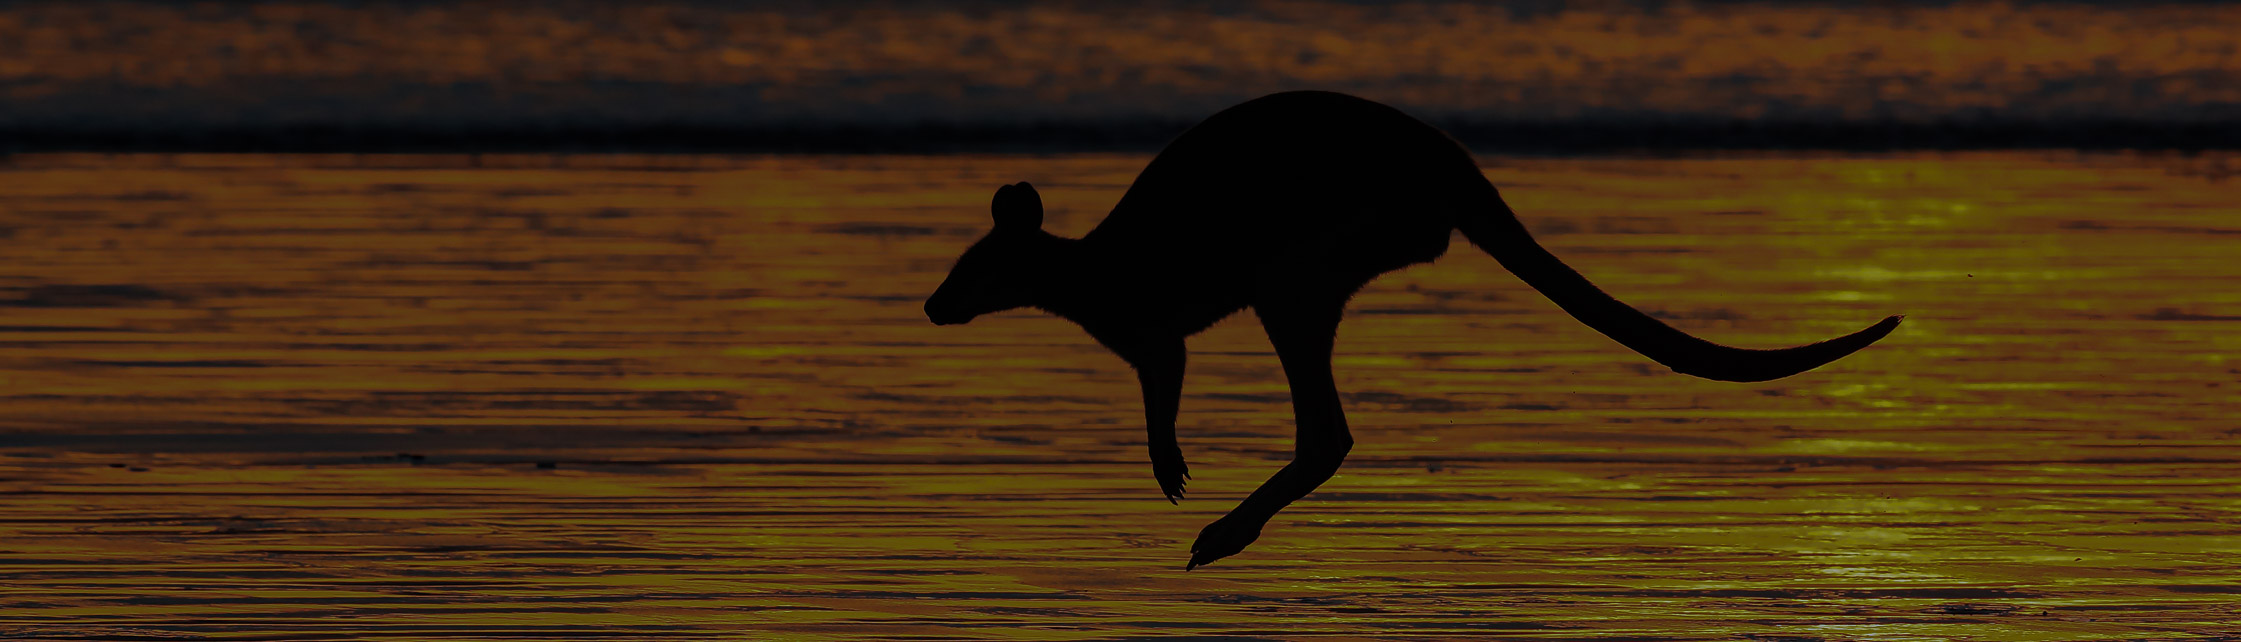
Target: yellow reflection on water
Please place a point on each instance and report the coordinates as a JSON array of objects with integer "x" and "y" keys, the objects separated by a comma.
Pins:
[{"x": 649, "y": 397}]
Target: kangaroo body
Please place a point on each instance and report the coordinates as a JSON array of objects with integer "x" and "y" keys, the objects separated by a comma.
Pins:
[{"x": 1288, "y": 205}]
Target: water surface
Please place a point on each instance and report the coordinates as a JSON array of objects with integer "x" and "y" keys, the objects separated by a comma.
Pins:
[{"x": 403, "y": 397}]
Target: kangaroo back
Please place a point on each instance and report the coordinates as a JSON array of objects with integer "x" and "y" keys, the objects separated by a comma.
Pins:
[{"x": 1490, "y": 225}]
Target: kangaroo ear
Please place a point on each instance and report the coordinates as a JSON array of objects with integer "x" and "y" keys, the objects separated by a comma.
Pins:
[{"x": 1017, "y": 206}]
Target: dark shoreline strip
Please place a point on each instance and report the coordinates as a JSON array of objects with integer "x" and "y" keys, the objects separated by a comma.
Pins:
[{"x": 1556, "y": 137}]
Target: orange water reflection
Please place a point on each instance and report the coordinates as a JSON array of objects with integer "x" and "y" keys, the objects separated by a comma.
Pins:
[{"x": 308, "y": 395}]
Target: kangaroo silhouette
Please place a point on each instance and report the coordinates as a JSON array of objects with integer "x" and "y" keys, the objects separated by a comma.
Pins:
[{"x": 1288, "y": 204}]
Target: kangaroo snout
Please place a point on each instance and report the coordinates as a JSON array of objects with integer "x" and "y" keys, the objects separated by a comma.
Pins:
[{"x": 945, "y": 317}]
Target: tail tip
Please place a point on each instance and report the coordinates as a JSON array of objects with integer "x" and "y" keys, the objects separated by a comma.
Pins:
[
  {"x": 1871, "y": 334},
  {"x": 1885, "y": 326},
  {"x": 1888, "y": 324}
]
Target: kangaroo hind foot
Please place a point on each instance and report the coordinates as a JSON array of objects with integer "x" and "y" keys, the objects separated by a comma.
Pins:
[{"x": 1302, "y": 331}]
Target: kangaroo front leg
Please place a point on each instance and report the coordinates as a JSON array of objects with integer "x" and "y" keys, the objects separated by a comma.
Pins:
[
  {"x": 1303, "y": 343},
  {"x": 1159, "y": 367}
]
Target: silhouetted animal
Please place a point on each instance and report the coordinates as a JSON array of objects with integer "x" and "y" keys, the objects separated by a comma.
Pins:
[{"x": 1288, "y": 204}]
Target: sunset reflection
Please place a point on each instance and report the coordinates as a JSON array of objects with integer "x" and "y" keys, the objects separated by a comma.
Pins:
[
  {"x": 413, "y": 320},
  {"x": 346, "y": 375}
]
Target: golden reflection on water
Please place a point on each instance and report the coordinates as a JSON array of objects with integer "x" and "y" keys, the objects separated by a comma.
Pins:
[{"x": 309, "y": 396}]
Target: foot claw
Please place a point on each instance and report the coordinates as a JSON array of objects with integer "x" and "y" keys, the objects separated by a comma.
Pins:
[{"x": 1225, "y": 537}]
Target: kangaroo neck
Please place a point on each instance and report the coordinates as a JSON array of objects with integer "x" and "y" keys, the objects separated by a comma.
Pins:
[{"x": 1082, "y": 283}]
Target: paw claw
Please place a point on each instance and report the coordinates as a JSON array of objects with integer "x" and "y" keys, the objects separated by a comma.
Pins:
[{"x": 1170, "y": 472}]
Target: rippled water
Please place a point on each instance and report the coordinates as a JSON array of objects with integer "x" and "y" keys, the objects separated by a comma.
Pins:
[{"x": 391, "y": 397}]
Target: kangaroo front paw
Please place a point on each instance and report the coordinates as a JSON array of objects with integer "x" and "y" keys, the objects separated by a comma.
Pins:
[
  {"x": 1225, "y": 537},
  {"x": 1172, "y": 474}
]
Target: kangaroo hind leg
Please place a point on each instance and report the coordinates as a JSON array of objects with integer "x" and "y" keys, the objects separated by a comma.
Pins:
[{"x": 1302, "y": 330}]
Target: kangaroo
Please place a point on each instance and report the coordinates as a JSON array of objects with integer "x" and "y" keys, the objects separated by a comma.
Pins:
[{"x": 1288, "y": 204}]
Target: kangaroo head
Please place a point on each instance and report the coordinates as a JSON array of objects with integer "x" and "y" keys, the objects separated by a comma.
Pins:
[{"x": 1000, "y": 271}]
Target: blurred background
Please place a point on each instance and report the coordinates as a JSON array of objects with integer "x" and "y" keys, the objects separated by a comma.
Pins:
[{"x": 915, "y": 75}]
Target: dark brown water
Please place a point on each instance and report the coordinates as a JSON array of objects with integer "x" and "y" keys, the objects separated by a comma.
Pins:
[{"x": 253, "y": 397}]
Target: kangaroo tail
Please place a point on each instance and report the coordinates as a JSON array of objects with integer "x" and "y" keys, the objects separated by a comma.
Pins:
[{"x": 1501, "y": 235}]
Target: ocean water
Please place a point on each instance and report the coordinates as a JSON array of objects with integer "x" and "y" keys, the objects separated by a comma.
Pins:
[{"x": 683, "y": 397}]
